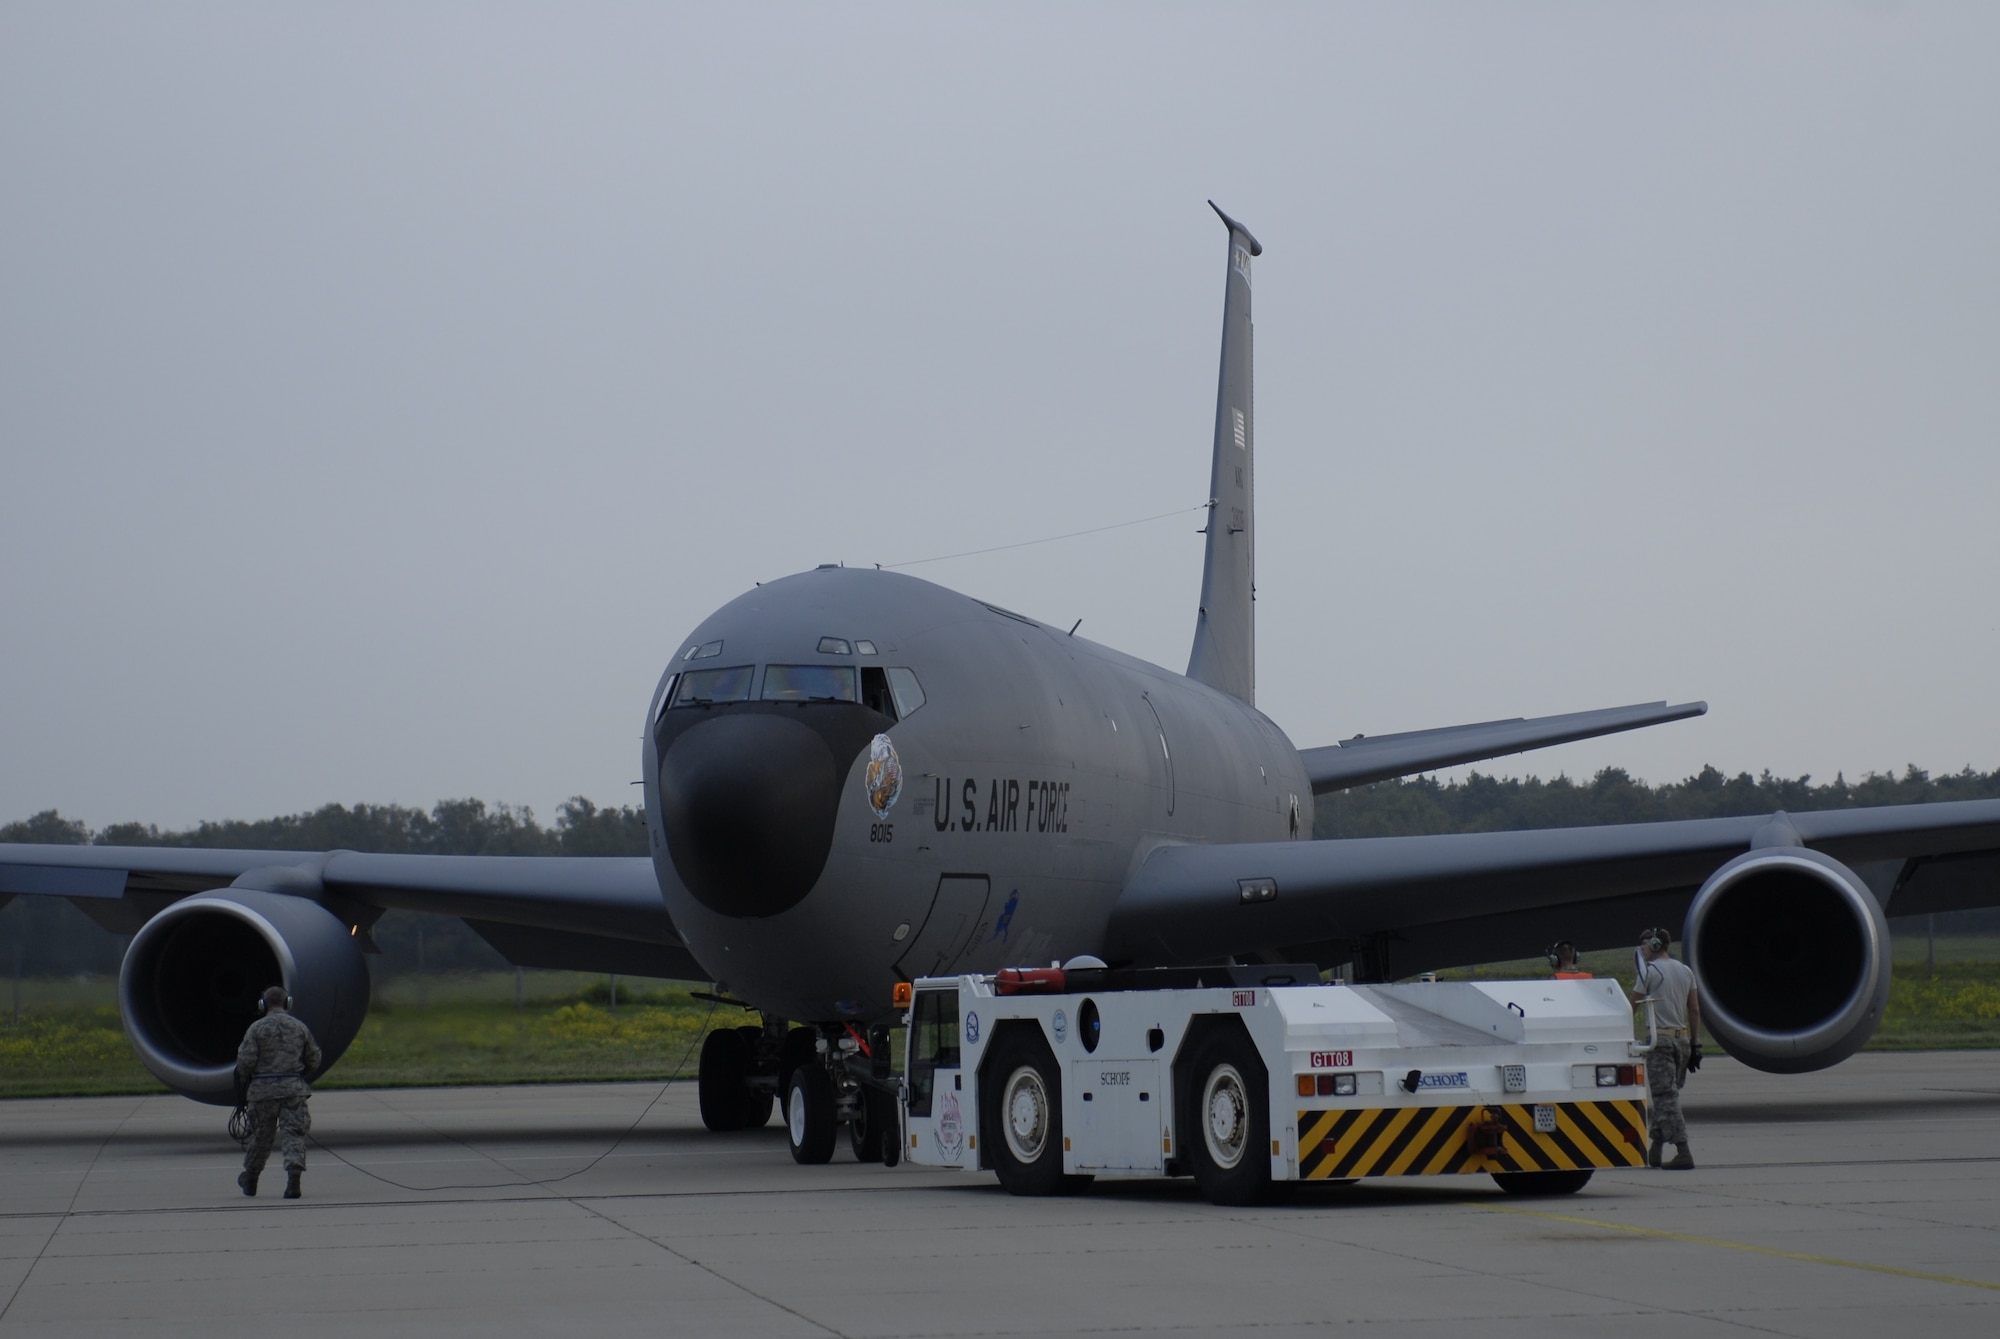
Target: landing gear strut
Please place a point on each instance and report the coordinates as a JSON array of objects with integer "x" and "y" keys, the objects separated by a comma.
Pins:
[
  {"x": 843, "y": 1079},
  {"x": 819, "y": 1078}
]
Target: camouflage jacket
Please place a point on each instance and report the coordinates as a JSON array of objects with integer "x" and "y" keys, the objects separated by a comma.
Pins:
[{"x": 277, "y": 1053}]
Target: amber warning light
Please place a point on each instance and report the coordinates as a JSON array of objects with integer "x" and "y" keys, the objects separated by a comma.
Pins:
[{"x": 900, "y": 997}]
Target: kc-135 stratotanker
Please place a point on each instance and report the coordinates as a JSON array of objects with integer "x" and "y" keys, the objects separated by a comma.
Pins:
[{"x": 854, "y": 778}]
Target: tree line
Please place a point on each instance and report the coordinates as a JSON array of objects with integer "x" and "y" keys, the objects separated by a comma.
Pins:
[
  {"x": 450, "y": 827},
  {"x": 47, "y": 936},
  {"x": 1417, "y": 805}
]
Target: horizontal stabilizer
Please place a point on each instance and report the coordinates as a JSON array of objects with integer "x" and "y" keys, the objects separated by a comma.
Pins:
[{"x": 1362, "y": 759}]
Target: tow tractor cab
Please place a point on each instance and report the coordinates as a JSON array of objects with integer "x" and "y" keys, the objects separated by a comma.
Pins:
[{"x": 1247, "y": 1077}]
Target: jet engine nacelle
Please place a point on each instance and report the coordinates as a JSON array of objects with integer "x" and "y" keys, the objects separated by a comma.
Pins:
[
  {"x": 1791, "y": 953},
  {"x": 190, "y": 981}
]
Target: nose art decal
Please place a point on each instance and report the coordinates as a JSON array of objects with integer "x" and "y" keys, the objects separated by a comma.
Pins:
[{"x": 884, "y": 777}]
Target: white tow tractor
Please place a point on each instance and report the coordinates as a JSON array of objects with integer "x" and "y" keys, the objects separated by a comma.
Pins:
[{"x": 1249, "y": 1077}]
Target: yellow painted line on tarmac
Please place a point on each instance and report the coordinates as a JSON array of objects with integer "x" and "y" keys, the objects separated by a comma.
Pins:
[{"x": 1665, "y": 1235}]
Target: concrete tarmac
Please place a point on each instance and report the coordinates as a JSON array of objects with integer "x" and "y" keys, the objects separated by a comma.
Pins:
[{"x": 1860, "y": 1201}]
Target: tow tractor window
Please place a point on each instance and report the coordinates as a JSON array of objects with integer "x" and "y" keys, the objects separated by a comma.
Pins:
[
  {"x": 933, "y": 1045},
  {"x": 699, "y": 687},
  {"x": 810, "y": 683}
]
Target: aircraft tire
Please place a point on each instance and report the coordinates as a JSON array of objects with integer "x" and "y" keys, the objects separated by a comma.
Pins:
[
  {"x": 1542, "y": 1183},
  {"x": 1231, "y": 1110},
  {"x": 757, "y": 1106},
  {"x": 810, "y": 1127},
  {"x": 722, "y": 1082}
]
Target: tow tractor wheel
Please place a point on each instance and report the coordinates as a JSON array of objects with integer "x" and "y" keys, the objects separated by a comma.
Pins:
[
  {"x": 1231, "y": 1110},
  {"x": 1542, "y": 1183},
  {"x": 873, "y": 1134},
  {"x": 809, "y": 1119},
  {"x": 1020, "y": 1119}
]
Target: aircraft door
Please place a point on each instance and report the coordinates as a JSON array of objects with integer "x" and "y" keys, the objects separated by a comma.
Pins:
[
  {"x": 957, "y": 912},
  {"x": 1166, "y": 754}
]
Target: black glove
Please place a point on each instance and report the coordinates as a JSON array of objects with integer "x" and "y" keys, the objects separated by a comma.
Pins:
[
  {"x": 1694, "y": 1057},
  {"x": 242, "y": 1088}
]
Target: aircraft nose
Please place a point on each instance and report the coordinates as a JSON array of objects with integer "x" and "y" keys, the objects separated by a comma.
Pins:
[{"x": 749, "y": 803}]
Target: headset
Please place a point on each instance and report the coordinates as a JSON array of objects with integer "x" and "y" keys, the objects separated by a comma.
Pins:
[
  {"x": 1656, "y": 939},
  {"x": 263, "y": 1006},
  {"x": 1554, "y": 953}
]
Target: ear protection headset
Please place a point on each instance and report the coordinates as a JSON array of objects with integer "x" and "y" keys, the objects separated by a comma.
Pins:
[
  {"x": 1554, "y": 952},
  {"x": 1657, "y": 939},
  {"x": 264, "y": 1008}
]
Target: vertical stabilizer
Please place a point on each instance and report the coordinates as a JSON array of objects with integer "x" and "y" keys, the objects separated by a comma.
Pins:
[{"x": 1225, "y": 631}]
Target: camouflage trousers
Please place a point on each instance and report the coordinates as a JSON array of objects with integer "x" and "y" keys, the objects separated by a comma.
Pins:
[
  {"x": 284, "y": 1118},
  {"x": 1666, "y": 1071}
]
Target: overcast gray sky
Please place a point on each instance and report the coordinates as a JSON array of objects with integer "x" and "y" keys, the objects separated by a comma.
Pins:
[{"x": 385, "y": 390}]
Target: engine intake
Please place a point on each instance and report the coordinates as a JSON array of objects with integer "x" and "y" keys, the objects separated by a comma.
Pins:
[
  {"x": 1791, "y": 953},
  {"x": 190, "y": 981}
]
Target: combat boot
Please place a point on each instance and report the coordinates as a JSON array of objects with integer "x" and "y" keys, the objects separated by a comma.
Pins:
[
  {"x": 1683, "y": 1160},
  {"x": 1653, "y": 1153},
  {"x": 292, "y": 1182},
  {"x": 247, "y": 1182}
]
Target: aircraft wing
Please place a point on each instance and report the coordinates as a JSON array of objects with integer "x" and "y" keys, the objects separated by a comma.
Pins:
[
  {"x": 590, "y": 913},
  {"x": 1366, "y": 758},
  {"x": 1487, "y": 896}
]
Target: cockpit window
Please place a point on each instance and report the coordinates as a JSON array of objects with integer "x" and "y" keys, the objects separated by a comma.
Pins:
[
  {"x": 699, "y": 687},
  {"x": 810, "y": 683},
  {"x": 908, "y": 693},
  {"x": 705, "y": 651},
  {"x": 893, "y": 692},
  {"x": 834, "y": 646}
]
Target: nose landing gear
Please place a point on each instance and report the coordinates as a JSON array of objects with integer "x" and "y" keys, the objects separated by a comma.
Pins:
[{"x": 820, "y": 1077}]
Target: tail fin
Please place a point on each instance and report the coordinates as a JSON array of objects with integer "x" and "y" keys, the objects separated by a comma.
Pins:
[{"x": 1225, "y": 631}]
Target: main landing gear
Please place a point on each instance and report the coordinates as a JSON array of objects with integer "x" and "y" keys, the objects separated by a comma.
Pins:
[{"x": 819, "y": 1077}]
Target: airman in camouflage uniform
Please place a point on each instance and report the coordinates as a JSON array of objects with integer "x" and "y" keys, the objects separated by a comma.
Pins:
[
  {"x": 271, "y": 1067},
  {"x": 1670, "y": 986}
]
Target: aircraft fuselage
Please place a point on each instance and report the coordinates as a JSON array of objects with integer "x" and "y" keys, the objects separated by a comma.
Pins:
[{"x": 820, "y": 834}]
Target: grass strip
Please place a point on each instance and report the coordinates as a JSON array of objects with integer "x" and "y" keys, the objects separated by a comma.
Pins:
[{"x": 468, "y": 1031}]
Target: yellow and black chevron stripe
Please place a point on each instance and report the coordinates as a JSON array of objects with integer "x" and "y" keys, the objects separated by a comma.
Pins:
[{"x": 1429, "y": 1141}]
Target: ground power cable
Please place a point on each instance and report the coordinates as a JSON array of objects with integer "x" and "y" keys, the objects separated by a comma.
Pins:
[{"x": 700, "y": 1033}]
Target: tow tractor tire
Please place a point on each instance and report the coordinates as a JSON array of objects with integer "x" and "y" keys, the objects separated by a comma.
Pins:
[
  {"x": 722, "y": 1084},
  {"x": 873, "y": 1135},
  {"x": 1020, "y": 1117},
  {"x": 1542, "y": 1183},
  {"x": 891, "y": 1125},
  {"x": 810, "y": 1127},
  {"x": 1229, "y": 1103}
]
